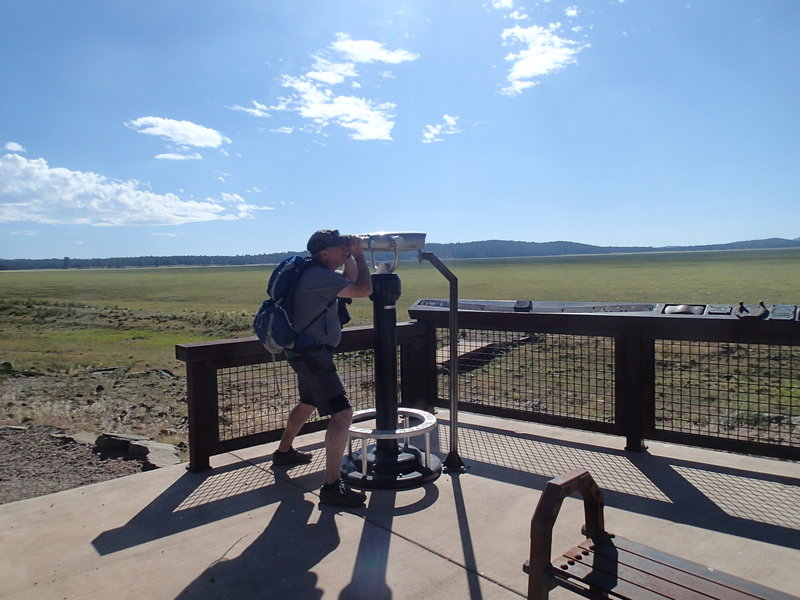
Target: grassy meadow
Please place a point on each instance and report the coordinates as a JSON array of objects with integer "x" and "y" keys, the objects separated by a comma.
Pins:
[{"x": 59, "y": 320}]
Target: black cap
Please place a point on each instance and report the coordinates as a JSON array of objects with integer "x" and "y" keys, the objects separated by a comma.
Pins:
[{"x": 325, "y": 238}]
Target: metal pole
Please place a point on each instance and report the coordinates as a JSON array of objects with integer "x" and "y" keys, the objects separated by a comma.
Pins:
[
  {"x": 386, "y": 291},
  {"x": 453, "y": 462}
]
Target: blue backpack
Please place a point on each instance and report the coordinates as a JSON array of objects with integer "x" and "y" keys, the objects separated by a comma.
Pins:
[{"x": 274, "y": 323}]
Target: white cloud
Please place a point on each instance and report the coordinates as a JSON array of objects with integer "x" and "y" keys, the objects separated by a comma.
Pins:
[
  {"x": 369, "y": 51},
  {"x": 312, "y": 95},
  {"x": 240, "y": 206},
  {"x": 544, "y": 52},
  {"x": 331, "y": 72},
  {"x": 176, "y": 156},
  {"x": 179, "y": 132},
  {"x": 257, "y": 110},
  {"x": 32, "y": 191},
  {"x": 368, "y": 120},
  {"x": 13, "y": 147},
  {"x": 434, "y": 133},
  {"x": 511, "y": 12},
  {"x": 572, "y": 11}
]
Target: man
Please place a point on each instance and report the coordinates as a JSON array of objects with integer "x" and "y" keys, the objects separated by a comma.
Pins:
[{"x": 320, "y": 387}]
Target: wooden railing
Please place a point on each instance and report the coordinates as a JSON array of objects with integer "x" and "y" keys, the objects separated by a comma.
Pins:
[
  {"x": 726, "y": 384},
  {"x": 239, "y": 395}
]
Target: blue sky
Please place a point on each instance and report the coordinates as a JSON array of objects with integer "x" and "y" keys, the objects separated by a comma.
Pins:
[{"x": 196, "y": 127}]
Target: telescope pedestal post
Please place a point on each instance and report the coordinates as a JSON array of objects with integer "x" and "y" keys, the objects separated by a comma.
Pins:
[{"x": 389, "y": 466}]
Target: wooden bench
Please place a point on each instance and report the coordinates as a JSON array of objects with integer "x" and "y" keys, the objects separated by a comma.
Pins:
[{"x": 608, "y": 566}]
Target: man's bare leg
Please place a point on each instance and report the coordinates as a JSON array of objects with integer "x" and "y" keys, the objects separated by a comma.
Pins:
[
  {"x": 297, "y": 418},
  {"x": 335, "y": 441}
]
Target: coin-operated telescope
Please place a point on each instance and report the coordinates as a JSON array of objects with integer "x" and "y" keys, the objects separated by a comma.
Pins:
[
  {"x": 390, "y": 242},
  {"x": 388, "y": 464}
]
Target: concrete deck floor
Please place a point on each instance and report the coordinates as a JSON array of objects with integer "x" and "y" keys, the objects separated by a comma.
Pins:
[{"x": 245, "y": 531}]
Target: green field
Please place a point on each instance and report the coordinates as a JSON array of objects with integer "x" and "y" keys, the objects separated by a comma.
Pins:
[{"x": 134, "y": 317}]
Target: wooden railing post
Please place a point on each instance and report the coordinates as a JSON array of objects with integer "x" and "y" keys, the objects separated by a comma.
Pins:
[
  {"x": 635, "y": 386},
  {"x": 201, "y": 384},
  {"x": 418, "y": 370}
]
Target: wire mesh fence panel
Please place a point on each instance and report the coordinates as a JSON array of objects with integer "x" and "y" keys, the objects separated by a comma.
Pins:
[
  {"x": 747, "y": 392},
  {"x": 742, "y": 394},
  {"x": 559, "y": 375},
  {"x": 256, "y": 398},
  {"x": 357, "y": 370}
]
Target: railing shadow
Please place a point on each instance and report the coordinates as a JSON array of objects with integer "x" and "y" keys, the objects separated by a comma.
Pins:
[
  {"x": 729, "y": 500},
  {"x": 756, "y": 505}
]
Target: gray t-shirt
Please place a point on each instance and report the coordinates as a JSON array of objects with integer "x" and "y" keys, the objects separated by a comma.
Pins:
[{"x": 316, "y": 292}]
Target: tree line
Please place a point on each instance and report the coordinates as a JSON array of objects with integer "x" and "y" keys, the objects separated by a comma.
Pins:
[
  {"x": 141, "y": 261},
  {"x": 481, "y": 249}
]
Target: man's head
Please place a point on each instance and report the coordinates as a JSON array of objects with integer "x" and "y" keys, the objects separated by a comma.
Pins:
[
  {"x": 325, "y": 238},
  {"x": 331, "y": 248}
]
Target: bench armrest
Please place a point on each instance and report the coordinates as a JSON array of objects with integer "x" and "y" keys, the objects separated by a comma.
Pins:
[{"x": 544, "y": 518}]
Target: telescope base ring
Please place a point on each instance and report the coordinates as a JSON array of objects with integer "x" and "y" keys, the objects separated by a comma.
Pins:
[{"x": 405, "y": 468}]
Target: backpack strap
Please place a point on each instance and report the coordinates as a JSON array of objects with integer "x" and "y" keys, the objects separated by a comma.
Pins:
[{"x": 314, "y": 320}]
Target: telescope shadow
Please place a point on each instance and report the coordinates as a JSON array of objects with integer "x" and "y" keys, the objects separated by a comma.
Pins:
[{"x": 369, "y": 573}]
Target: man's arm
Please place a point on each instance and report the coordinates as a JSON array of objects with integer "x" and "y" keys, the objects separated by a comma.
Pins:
[{"x": 357, "y": 271}]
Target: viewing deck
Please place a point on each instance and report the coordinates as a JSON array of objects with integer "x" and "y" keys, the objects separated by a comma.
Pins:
[{"x": 243, "y": 530}]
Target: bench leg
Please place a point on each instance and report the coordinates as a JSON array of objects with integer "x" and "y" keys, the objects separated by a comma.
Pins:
[{"x": 364, "y": 456}]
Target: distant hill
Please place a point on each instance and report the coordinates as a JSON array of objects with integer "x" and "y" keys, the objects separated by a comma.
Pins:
[
  {"x": 482, "y": 249},
  {"x": 508, "y": 249}
]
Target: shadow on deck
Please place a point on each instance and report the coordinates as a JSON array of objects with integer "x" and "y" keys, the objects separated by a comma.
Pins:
[{"x": 245, "y": 530}]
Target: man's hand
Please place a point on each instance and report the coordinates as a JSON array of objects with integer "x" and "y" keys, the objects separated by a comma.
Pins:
[
  {"x": 357, "y": 271},
  {"x": 354, "y": 247}
]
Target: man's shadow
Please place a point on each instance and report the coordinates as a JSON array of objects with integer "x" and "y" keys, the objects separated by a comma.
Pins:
[{"x": 279, "y": 563}]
